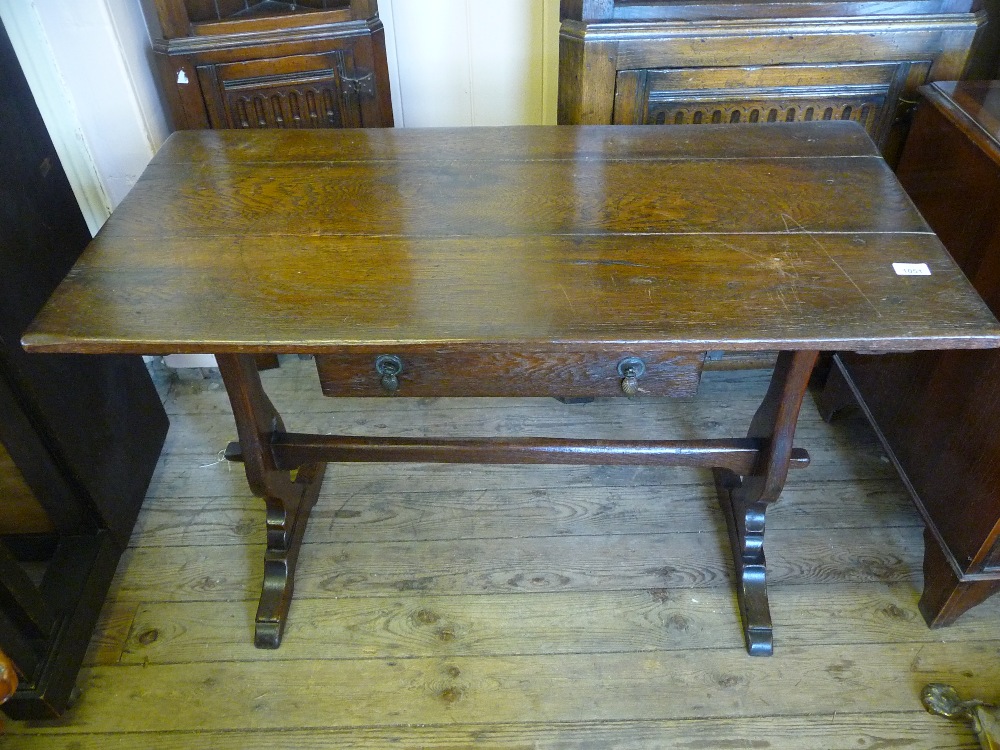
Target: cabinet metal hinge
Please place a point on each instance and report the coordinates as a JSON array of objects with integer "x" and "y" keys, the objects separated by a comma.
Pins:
[{"x": 360, "y": 86}]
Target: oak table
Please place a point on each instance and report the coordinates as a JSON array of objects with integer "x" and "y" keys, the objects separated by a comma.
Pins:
[{"x": 573, "y": 262}]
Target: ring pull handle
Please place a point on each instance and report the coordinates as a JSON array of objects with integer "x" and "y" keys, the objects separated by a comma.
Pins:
[
  {"x": 388, "y": 367},
  {"x": 630, "y": 370}
]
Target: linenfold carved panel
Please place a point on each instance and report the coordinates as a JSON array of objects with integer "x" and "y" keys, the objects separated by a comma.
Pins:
[
  {"x": 868, "y": 93},
  {"x": 285, "y": 107},
  {"x": 682, "y": 110},
  {"x": 297, "y": 91},
  {"x": 311, "y": 99}
]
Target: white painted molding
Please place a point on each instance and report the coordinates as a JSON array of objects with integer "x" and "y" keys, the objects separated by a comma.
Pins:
[
  {"x": 87, "y": 44},
  {"x": 550, "y": 61},
  {"x": 129, "y": 28},
  {"x": 31, "y": 45},
  {"x": 385, "y": 14}
]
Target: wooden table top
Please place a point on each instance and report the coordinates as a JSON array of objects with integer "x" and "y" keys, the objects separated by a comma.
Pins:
[{"x": 737, "y": 237}]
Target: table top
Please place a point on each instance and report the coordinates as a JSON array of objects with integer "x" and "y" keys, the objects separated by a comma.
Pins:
[{"x": 731, "y": 237}]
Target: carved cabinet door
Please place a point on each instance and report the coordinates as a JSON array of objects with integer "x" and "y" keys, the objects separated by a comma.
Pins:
[
  {"x": 876, "y": 94},
  {"x": 297, "y": 91}
]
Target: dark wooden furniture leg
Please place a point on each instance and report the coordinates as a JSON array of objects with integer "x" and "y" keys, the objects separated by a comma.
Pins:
[
  {"x": 745, "y": 499},
  {"x": 836, "y": 395},
  {"x": 289, "y": 496},
  {"x": 946, "y": 596},
  {"x": 948, "y": 591}
]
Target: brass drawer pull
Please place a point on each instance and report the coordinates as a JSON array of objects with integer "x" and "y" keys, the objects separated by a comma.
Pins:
[
  {"x": 631, "y": 369},
  {"x": 388, "y": 366}
]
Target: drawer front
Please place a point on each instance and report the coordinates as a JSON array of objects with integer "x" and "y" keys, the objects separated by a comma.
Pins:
[{"x": 455, "y": 371}]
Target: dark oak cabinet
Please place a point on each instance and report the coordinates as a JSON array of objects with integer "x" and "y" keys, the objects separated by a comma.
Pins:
[
  {"x": 938, "y": 414},
  {"x": 687, "y": 61},
  {"x": 79, "y": 436},
  {"x": 268, "y": 64}
]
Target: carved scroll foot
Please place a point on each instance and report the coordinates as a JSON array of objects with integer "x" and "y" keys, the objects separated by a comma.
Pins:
[
  {"x": 286, "y": 527},
  {"x": 746, "y": 538}
]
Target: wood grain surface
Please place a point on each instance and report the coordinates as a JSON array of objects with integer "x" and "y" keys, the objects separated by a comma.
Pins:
[{"x": 678, "y": 239}]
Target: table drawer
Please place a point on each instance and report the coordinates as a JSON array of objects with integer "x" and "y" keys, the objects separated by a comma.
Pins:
[{"x": 459, "y": 371}]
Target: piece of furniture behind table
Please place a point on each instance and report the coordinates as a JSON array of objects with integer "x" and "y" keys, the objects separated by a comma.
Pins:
[
  {"x": 685, "y": 61},
  {"x": 938, "y": 414},
  {"x": 79, "y": 436},
  {"x": 268, "y": 64}
]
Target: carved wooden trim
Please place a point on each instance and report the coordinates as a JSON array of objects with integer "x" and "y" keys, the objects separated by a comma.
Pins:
[
  {"x": 320, "y": 95},
  {"x": 190, "y": 45},
  {"x": 688, "y": 108},
  {"x": 630, "y": 32},
  {"x": 650, "y": 96},
  {"x": 297, "y": 100}
]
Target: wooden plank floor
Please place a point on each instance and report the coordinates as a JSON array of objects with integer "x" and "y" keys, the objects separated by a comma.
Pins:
[{"x": 519, "y": 607}]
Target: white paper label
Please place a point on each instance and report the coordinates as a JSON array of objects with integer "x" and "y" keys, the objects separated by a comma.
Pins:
[
  {"x": 911, "y": 269},
  {"x": 182, "y": 77}
]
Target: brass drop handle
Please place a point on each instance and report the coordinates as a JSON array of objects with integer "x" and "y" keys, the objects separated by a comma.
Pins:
[
  {"x": 388, "y": 367},
  {"x": 630, "y": 370}
]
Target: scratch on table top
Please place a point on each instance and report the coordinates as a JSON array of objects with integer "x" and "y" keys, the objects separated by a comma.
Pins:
[
  {"x": 572, "y": 307},
  {"x": 784, "y": 302},
  {"x": 609, "y": 262},
  {"x": 800, "y": 228},
  {"x": 773, "y": 264},
  {"x": 786, "y": 218},
  {"x": 737, "y": 249}
]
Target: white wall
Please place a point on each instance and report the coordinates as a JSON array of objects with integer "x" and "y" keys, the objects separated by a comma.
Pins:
[
  {"x": 471, "y": 62},
  {"x": 91, "y": 58},
  {"x": 137, "y": 54},
  {"x": 86, "y": 65}
]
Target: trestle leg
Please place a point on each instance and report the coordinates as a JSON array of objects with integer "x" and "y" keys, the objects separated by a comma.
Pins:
[
  {"x": 288, "y": 500},
  {"x": 744, "y": 500},
  {"x": 265, "y": 449}
]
